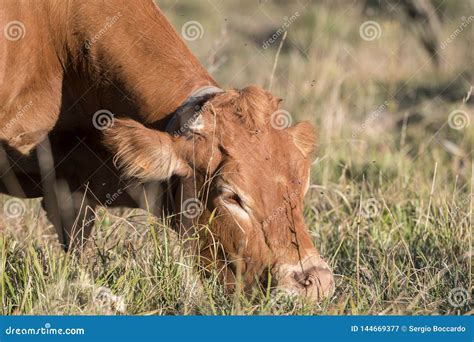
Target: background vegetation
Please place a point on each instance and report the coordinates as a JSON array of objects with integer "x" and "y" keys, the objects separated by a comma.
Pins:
[{"x": 391, "y": 202}]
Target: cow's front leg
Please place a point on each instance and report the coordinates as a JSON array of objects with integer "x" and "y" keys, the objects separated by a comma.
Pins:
[{"x": 65, "y": 200}]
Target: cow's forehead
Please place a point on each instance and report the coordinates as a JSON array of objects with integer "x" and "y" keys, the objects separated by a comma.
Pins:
[
  {"x": 266, "y": 157},
  {"x": 271, "y": 146}
]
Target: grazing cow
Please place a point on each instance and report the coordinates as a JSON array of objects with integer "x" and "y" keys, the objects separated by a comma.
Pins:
[{"x": 96, "y": 92}]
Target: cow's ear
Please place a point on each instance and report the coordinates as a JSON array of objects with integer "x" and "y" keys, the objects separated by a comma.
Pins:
[
  {"x": 304, "y": 137},
  {"x": 142, "y": 152}
]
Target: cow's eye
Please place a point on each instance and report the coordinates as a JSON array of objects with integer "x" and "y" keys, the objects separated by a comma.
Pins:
[{"x": 231, "y": 197}]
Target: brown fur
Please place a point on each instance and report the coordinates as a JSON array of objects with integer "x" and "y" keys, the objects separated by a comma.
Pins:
[
  {"x": 250, "y": 175},
  {"x": 267, "y": 167},
  {"x": 58, "y": 75}
]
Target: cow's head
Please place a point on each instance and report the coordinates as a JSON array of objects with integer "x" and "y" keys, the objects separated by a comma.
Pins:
[{"x": 250, "y": 175}]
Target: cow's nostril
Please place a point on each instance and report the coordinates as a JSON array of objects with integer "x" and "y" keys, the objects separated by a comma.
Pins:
[
  {"x": 308, "y": 282},
  {"x": 315, "y": 282},
  {"x": 305, "y": 279}
]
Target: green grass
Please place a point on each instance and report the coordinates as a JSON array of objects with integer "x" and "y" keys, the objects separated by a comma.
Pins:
[{"x": 391, "y": 203}]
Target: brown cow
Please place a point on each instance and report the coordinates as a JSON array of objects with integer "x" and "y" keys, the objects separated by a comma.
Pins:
[{"x": 88, "y": 86}]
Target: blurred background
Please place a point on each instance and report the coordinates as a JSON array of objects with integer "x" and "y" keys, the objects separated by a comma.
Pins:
[{"x": 388, "y": 84}]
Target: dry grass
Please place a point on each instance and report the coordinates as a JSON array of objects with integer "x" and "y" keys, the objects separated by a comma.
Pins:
[{"x": 391, "y": 202}]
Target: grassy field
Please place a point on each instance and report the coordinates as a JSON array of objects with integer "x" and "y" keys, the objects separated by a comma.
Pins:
[{"x": 391, "y": 200}]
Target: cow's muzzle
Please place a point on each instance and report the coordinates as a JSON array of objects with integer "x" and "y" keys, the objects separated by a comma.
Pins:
[{"x": 311, "y": 278}]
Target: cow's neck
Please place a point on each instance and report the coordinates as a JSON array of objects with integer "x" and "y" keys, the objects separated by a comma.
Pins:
[{"x": 135, "y": 47}]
